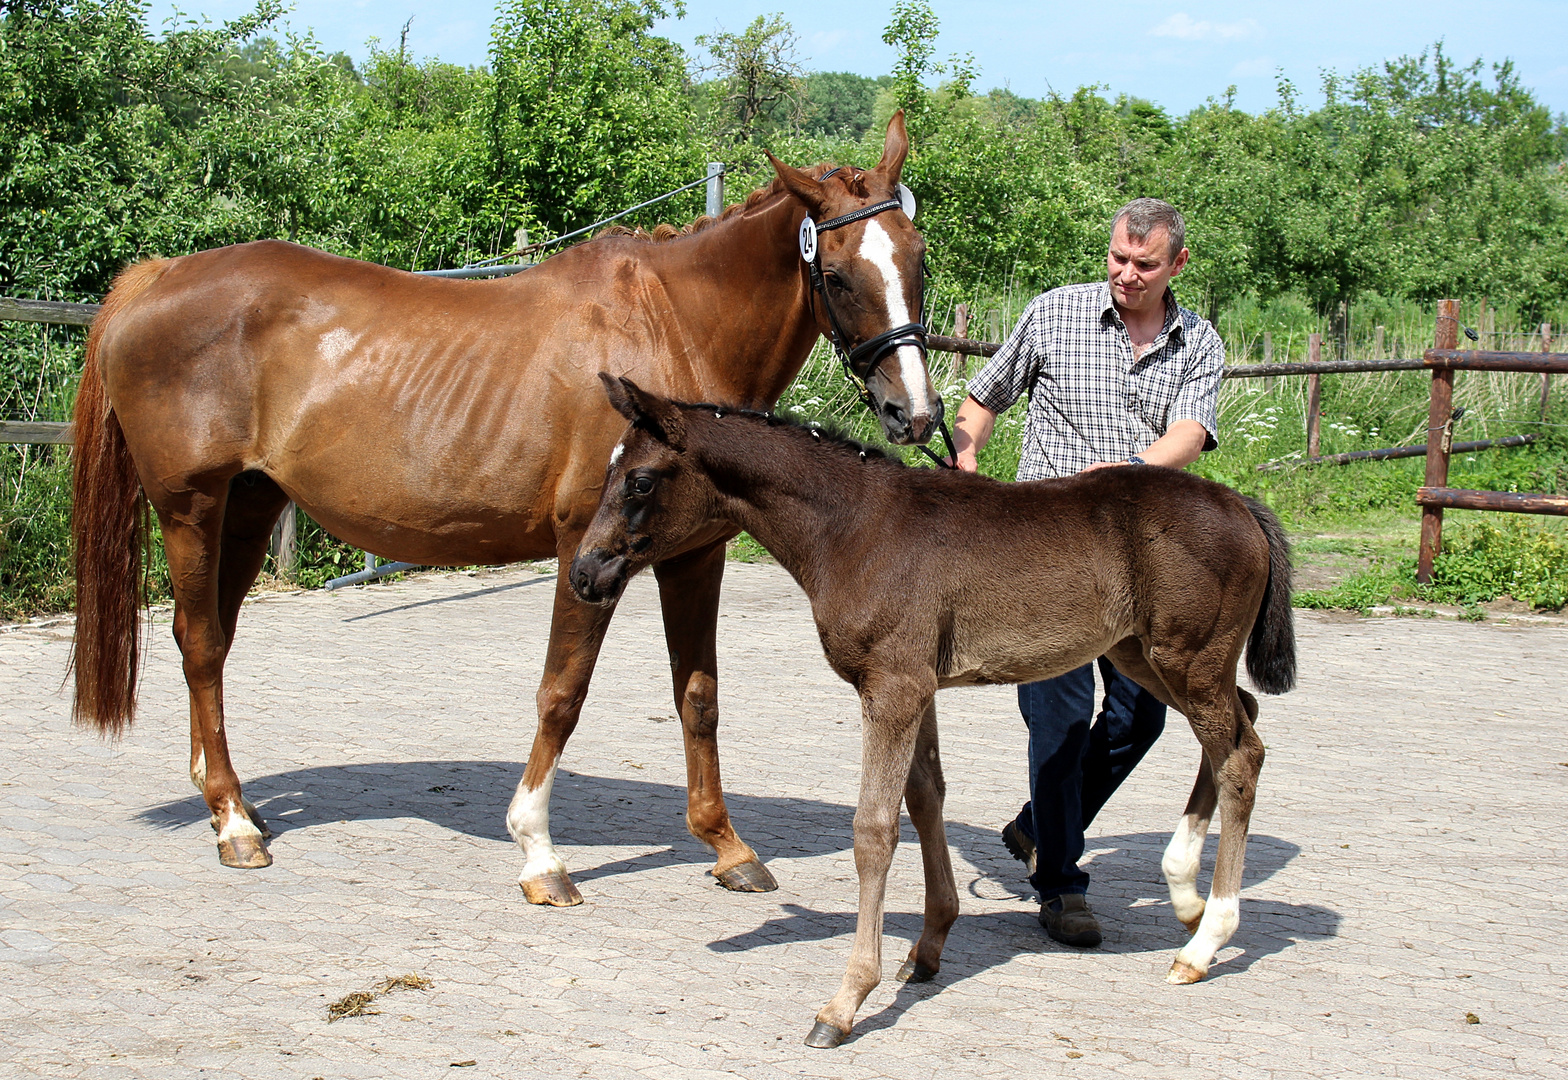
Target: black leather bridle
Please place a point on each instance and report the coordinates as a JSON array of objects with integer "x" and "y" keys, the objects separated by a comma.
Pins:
[{"x": 859, "y": 361}]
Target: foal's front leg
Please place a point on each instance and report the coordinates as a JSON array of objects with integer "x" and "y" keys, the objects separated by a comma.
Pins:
[
  {"x": 891, "y": 713},
  {"x": 923, "y": 795},
  {"x": 689, "y": 597}
]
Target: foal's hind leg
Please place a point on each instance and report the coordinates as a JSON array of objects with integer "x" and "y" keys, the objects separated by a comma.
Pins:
[
  {"x": 576, "y": 634},
  {"x": 923, "y": 795},
  {"x": 1224, "y": 726},
  {"x": 689, "y": 596},
  {"x": 1184, "y": 854}
]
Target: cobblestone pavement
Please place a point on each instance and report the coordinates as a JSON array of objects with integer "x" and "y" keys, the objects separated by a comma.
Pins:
[{"x": 1407, "y": 870}]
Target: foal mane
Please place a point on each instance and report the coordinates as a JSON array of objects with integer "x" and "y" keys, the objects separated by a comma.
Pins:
[
  {"x": 665, "y": 231},
  {"x": 822, "y": 434}
]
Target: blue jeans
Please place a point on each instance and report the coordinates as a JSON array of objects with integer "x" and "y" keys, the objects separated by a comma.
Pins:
[{"x": 1074, "y": 767}]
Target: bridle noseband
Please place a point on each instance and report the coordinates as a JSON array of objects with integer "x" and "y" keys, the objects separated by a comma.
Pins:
[{"x": 859, "y": 361}]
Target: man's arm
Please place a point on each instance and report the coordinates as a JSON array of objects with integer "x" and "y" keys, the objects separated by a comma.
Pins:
[
  {"x": 1179, "y": 447},
  {"x": 971, "y": 431}
]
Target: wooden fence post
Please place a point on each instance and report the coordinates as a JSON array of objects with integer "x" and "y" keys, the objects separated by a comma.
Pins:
[
  {"x": 1314, "y": 395},
  {"x": 1546, "y": 379},
  {"x": 1268, "y": 357},
  {"x": 961, "y": 331},
  {"x": 1439, "y": 438},
  {"x": 1377, "y": 345}
]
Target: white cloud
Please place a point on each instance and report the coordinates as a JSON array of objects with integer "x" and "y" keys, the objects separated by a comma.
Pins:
[{"x": 1186, "y": 28}]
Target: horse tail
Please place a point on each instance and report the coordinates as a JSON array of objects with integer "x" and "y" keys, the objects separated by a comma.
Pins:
[
  {"x": 109, "y": 530},
  {"x": 1271, "y": 650}
]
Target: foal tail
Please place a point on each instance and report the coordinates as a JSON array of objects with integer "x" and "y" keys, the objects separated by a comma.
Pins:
[
  {"x": 109, "y": 529},
  {"x": 1271, "y": 650}
]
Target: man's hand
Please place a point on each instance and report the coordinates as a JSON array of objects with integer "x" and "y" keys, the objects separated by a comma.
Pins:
[{"x": 971, "y": 430}]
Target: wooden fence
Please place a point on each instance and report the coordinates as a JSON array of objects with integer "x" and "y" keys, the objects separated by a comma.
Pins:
[{"x": 1443, "y": 359}]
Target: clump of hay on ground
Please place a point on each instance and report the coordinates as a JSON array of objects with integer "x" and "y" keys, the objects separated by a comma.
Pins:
[{"x": 357, "y": 1003}]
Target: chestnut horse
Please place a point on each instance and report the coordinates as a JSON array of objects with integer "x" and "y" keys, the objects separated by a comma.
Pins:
[
  {"x": 449, "y": 423},
  {"x": 920, "y": 579}
]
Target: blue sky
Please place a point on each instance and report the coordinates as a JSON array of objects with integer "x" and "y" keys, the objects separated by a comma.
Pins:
[{"x": 1176, "y": 54}]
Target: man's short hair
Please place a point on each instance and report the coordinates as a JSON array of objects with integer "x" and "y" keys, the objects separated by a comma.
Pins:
[{"x": 1143, "y": 216}]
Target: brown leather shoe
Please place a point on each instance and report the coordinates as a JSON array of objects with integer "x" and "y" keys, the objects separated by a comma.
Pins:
[
  {"x": 1018, "y": 845},
  {"x": 1068, "y": 919}
]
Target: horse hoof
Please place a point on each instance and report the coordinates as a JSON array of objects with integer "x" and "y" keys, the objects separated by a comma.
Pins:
[
  {"x": 244, "y": 853},
  {"x": 554, "y": 889},
  {"x": 825, "y": 1036},
  {"x": 915, "y": 972},
  {"x": 256, "y": 818},
  {"x": 746, "y": 877},
  {"x": 1183, "y": 974},
  {"x": 1192, "y": 924}
]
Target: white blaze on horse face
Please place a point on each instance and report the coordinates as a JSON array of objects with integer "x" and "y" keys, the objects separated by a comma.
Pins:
[
  {"x": 876, "y": 247},
  {"x": 335, "y": 344},
  {"x": 528, "y": 820},
  {"x": 615, "y": 455}
]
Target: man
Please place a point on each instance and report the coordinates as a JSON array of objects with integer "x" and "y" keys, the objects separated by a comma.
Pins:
[{"x": 1117, "y": 374}]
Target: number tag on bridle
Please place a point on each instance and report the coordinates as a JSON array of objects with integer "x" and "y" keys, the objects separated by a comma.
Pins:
[
  {"x": 906, "y": 200},
  {"x": 808, "y": 240}
]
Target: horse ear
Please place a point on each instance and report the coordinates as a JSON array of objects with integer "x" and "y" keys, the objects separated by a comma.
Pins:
[
  {"x": 895, "y": 148},
  {"x": 801, "y": 184},
  {"x": 657, "y": 416}
]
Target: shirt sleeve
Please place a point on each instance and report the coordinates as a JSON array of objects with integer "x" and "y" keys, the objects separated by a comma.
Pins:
[
  {"x": 1013, "y": 370},
  {"x": 1198, "y": 398}
]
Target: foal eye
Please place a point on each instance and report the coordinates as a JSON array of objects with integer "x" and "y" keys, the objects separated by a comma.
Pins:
[{"x": 642, "y": 485}]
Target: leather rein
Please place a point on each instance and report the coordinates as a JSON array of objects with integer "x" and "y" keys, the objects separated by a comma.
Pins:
[{"x": 859, "y": 361}]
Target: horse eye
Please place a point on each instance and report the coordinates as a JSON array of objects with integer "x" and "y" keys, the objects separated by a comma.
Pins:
[
  {"x": 642, "y": 485},
  {"x": 833, "y": 279}
]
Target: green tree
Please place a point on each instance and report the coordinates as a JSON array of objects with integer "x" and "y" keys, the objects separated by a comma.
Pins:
[
  {"x": 588, "y": 110},
  {"x": 760, "y": 81}
]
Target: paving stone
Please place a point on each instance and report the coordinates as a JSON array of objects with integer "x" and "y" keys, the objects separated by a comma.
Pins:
[{"x": 1407, "y": 866}]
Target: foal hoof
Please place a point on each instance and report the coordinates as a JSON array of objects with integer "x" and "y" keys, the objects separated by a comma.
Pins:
[
  {"x": 825, "y": 1036},
  {"x": 244, "y": 853},
  {"x": 915, "y": 972},
  {"x": 1192, "y": 924},
  {"x": 746, "y": 877},
  {"x": 554, "y": 889},
  {"x": 1183, "y": 974}
]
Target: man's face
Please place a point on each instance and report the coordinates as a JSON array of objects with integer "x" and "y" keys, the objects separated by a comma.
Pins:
[{"x": 1141, "y": 269}]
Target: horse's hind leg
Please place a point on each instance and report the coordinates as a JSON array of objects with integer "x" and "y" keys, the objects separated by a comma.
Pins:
[
  {"x": 689, "y": 596},
  {"x": 254, "y": 503},
  {"x": 576, "y": 634},
  {"x": 193, "y": 538},
  {"x": 1235, "y": 754},
  {"x": 923, "y": 795}
]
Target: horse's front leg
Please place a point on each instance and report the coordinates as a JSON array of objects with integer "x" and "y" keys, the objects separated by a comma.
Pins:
[
  {"x": 689, "y": 596},
  {"x": 576, "y": 633},
  {"x": 891, "y": 713},
  {"x": 923, "y": 795}
]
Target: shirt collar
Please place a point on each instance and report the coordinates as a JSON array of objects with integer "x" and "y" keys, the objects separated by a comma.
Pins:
[{"x": 1173, "y": 323}]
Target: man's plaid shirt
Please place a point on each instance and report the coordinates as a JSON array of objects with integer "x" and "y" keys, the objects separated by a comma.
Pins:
[{"x": 1088, "y": 400}]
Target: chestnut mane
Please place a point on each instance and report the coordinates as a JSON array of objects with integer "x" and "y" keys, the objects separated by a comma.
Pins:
[{"x": 665, "y": 231}]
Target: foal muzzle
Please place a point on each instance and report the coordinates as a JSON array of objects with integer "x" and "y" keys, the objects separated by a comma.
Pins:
[{"x": 598, "y": 576}]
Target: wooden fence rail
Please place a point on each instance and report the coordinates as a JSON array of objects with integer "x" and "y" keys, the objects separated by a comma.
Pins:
[{"x": 1443, "y": 359}]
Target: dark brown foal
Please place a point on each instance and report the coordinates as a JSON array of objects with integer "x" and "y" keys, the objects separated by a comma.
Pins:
[{"x": 921, "y": 579}]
